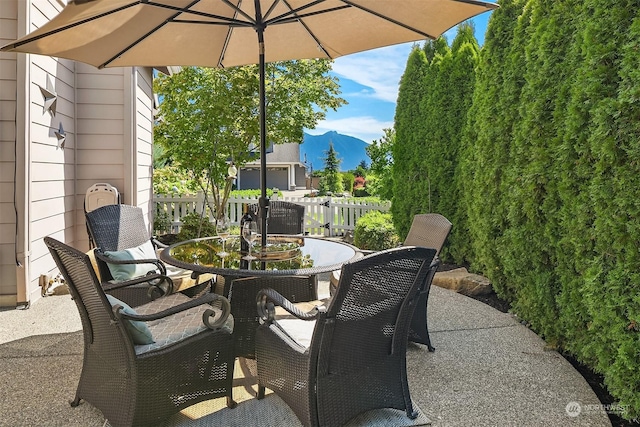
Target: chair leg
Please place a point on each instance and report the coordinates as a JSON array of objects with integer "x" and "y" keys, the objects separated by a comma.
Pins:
[
  {"x": 231, "y": 403},
  {"x": 429, "y": 346},
  {"x": 260, "y": 393}
]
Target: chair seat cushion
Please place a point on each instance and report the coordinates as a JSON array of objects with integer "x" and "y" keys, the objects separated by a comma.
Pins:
[
  {"x": 139, "y": 331},
  {"x": 182, "y": 278},
  {"x": 122, "y": 272},
  {"x": 177, "y": 327},
  {"x": 298, "y": 330}
]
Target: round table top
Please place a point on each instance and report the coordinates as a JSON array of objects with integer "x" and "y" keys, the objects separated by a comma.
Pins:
[{"x": 285, "y": 255}]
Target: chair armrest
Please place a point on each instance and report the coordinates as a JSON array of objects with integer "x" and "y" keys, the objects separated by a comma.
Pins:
[
  {"x": 206, "y": 317},
  {"x": 159, "y": 284},
  {"x": 266, "y": 307},
  {"x": 157, "y": 244}
]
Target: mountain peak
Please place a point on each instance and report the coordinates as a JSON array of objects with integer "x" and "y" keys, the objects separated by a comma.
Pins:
[{"x": 351, "y": 150}]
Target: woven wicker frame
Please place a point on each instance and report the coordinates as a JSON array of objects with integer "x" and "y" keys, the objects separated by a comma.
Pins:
[
  {"x": 118, "y": 227},
  {"x": 143, "y": 389},
  {"x": 284, "y": 217},
  {"x": 242, "y": 297},
  {"x": 356, "y": 361},
  {"x": 429, "y": 231}
]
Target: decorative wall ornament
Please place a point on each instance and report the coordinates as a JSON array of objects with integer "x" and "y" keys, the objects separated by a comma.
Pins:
[
  {"x": 50, "y": 97},
  {"x": 62, "y": 136}
]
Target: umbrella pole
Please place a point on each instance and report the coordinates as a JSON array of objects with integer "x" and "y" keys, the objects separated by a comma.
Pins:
[{"x": 263, "y": 202}]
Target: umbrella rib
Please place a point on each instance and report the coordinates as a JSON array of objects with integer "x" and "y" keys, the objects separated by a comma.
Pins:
[
  {"x": 489, "y": 6},
  {"x": 66, "y": 27},
  {"x": 178, "y": 11},
  {"x": 386, "y": 18},
  {"x": 293, "y": 15},
  {"x": 224, "y": 20},
  {"x": 304, "y": 25}
]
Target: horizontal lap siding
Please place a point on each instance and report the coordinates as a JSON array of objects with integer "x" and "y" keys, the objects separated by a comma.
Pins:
[
  {"x": 101, "y": 151},
  {"x": 52, "y": 166}
]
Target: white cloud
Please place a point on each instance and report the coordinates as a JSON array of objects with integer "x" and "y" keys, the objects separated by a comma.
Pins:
[
  {"x": 366, "y": 128},
  {"x": 378, "y": 69}
]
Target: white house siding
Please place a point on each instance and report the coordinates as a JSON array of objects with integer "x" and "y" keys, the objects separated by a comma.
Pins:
[
  {"x": 49, "y": 175},
  {"x": 107, "y": 118}
]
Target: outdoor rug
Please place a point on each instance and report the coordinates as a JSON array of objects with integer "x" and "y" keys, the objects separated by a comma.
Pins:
[{"x": 272, "y": 411}]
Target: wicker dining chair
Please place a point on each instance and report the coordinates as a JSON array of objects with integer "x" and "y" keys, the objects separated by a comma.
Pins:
[
  {"x": 118, "y": 228},
  {"x": 141, "y": 366},
  {"x": 283, "y": 217},
  {"x": 349, "y": 358},
  {"x": 430, "y": 231}
]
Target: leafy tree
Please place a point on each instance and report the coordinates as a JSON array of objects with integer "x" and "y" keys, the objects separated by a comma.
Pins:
[
  {"x": 361, "y": 169},
  {"x": 380, "y": 179},
  {"x": 208, "y": 116},
  {"x": 331, "y": 181}
]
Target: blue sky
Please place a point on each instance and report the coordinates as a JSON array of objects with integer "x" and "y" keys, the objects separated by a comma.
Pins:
[{"x": 369, "y": 82}]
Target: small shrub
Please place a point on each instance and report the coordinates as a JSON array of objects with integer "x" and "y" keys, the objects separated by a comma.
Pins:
[
  {"x": 375, "y": 231},
  {"x": 161, "y": 223},
  {"x": 360, "y": 192},
  {"x": 193, "y": 227}
]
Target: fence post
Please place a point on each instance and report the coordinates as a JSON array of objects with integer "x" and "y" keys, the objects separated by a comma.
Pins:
[{"x": 327, "y": 215}]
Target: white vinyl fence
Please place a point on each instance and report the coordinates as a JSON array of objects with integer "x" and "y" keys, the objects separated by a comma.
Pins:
[{"x": 325, "y": 216}]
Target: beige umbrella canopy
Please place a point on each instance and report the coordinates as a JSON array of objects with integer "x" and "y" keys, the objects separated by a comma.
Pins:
[{"x": 227, "y": 33}]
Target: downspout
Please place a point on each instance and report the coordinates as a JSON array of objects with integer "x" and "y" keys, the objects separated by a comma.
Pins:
[
  {"x": 129, "y": 145},
  {"x": 22, "y": 182}
]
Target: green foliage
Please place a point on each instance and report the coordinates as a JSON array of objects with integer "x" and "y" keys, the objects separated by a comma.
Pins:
[
  {"x": 408, "y": 176},
  {"x": 548, "y": 177},
  {"x": 161, "y": 223},
  {"x": 361, "y": 169},
  {"x": 331, "y": 181},
  {"x": 347, "y": 181},
  {"x": 539, "y": 169},
  {"x": 360, "y": 192},
  {"x": 380, "y": 177},
  {"x": 253, "y": 193},
  {"x": 173, "y": 180},
  {"x": 208, "y": 115},
  {"x": 194, "y": 226},
  {"x": 375, "y": 231}
]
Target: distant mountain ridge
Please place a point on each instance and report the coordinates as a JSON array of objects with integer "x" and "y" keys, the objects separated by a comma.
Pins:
[{"x": 349, "y": 149}]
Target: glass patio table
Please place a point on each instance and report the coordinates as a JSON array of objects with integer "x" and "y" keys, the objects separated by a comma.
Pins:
[{"x": 283, "y": 256}]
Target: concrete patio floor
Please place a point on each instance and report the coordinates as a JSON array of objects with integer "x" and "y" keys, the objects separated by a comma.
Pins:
[{"x": 487, "y": 370}]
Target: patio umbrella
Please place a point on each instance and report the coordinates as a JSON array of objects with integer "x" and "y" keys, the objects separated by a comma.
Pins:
[{"x": 227, "y": 33}]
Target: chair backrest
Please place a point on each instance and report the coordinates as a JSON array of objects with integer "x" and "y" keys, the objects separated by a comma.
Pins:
[
  {"x": 284, "y": 217},
  {"x": 428, "y": 230},
  {"x": 368, "y": 317},
  {"x": 102, "y": 331},
  {"x": 100, "y": 194},
  {"x": 117, "y": 227}
]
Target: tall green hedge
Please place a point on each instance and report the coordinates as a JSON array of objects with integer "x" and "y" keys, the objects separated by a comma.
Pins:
[{"x": 541, "y": 175}]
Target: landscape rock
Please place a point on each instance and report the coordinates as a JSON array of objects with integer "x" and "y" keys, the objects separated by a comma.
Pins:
[{"x": 461, "y": 281}]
